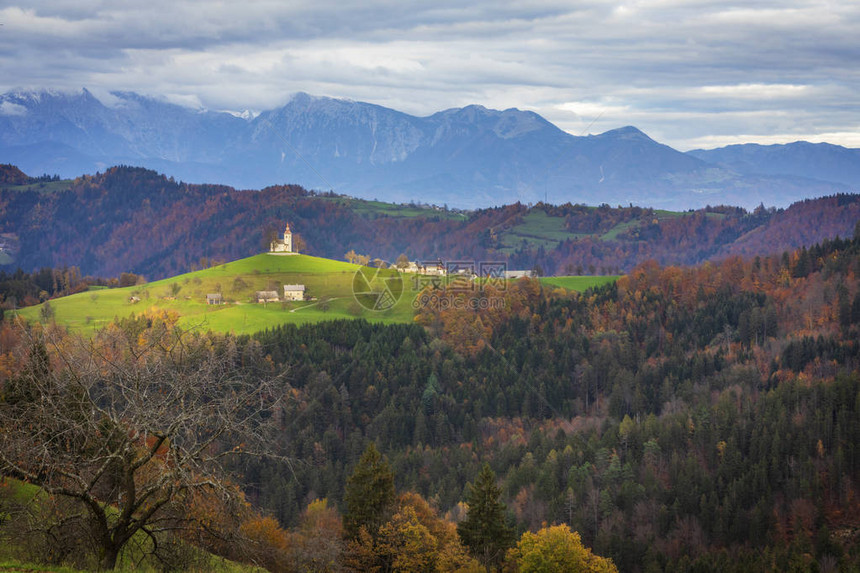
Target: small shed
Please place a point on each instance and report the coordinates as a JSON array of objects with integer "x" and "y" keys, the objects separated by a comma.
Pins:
[
  {"x": 267, "y": 296},
  {"x": 294, "y": 292},
  {"x": 214, "y": 298}
]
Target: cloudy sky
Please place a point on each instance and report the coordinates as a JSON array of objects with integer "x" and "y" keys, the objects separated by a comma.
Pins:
[{"x": 690, "y": 73}]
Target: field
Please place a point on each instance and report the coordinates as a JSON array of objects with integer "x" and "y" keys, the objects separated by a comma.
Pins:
[
  {"x": 537, "y": 229},
  {"x": 42, "y": 186},
  {"x": 374, "y": 209},
  {"x": 328, "y": 282},
  {"x": 578, "y": 283}
]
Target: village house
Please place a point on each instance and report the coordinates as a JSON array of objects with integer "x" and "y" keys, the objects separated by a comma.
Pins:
[
  {"x": 267, "y": 296},
  {"x": 518, "y": 274},
  {"x": 284, "y": 245},
  {"x": 214, "y": 298},
  {"x": 294, "y": 292},
  {"x": 419, "y": 268}
]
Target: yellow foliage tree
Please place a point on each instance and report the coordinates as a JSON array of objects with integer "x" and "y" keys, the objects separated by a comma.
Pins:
[
  {"x": 268, "y": 542},
  {"x": 406, "y": 543},
  {"x": 557, "y": 549},
  {"x": 450, "y": 553}
]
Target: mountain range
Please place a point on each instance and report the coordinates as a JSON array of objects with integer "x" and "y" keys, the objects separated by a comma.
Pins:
[{"x": 467, "y": 157}]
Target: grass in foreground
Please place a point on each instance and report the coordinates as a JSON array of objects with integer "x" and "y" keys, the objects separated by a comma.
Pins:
[
  {"x": 20, "y": 566},
  {"x": 131, "y": 559}
]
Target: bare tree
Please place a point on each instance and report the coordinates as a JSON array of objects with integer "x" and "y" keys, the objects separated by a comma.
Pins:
[
  {"x": 131, "y": 425},
  {"x": 299, "y": 243}
]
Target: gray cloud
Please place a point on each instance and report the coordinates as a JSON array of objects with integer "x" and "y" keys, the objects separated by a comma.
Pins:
[{"x": 690, "y": 73}]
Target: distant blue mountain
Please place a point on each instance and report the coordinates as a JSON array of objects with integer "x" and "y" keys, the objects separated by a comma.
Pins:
[
  {"x": 821, "y": 161},
  {"x": 466, "y": 157}
]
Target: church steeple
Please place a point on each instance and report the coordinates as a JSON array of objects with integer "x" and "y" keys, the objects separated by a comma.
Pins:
[
  {"x": 288, "y": 239},
  {"x": 284, "y": 245}
]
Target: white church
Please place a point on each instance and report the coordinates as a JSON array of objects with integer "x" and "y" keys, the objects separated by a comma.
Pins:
[{"x": 284, "y": 245}]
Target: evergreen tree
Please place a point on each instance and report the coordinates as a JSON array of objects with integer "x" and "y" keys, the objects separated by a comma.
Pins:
[
  {"x": 484, "y": 531},
  {"x": 369, "y": 494}
]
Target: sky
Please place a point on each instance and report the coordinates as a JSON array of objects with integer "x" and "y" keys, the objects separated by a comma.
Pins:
[{"x": 690, "y": 73}]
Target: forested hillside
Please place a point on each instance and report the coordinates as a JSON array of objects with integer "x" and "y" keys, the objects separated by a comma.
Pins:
[
  {"x": 707, "y": 416},
  {"x": 683, "y": 418},
  {"x": 703, "y": 418},
  {"x": 134, "y": 220}
]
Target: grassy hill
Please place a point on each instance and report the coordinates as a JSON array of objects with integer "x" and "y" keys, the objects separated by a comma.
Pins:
[
  {"x": 329, "y": 284},
  {"x": 539, "y": 228}
]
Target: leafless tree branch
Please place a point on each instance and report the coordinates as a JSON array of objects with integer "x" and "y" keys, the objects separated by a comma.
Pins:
[{"x": 130, "y": 421}]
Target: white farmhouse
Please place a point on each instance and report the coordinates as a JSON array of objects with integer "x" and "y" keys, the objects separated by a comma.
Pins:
[
  {"x": 294, "y": 292},
  {"x": 264, "y": 296}
]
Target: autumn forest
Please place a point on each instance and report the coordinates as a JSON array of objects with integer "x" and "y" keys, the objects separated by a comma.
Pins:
[{"x": 700, "y": 413}]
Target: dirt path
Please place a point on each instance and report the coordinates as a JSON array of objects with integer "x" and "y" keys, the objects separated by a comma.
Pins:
[{"x": 314, "y": 304}]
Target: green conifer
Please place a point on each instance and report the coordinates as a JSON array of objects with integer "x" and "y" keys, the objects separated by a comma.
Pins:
[
  {"x": 369, "y": 494},
  {"x": 484, "y": 531}
]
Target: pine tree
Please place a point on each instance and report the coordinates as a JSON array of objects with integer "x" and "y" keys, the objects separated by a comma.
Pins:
[
  {"x": 369, "y": 494},
  {"x": 484, "y": 531}
]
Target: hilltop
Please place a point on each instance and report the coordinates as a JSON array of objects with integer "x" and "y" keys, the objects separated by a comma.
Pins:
[
  {"x": 328, "y": 282},
  {"x": 329, "y": 287}
]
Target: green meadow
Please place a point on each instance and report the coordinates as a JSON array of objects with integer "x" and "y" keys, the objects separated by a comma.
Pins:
[
  {"x": 578, "y": 283},
  {"x": 42, "y": 186},
  {"x": 328, "y": 282},
  {"x": 329, "y": 285},
  {"x": 537, "y": 230},
  {"x": 374, "y": 209}
]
